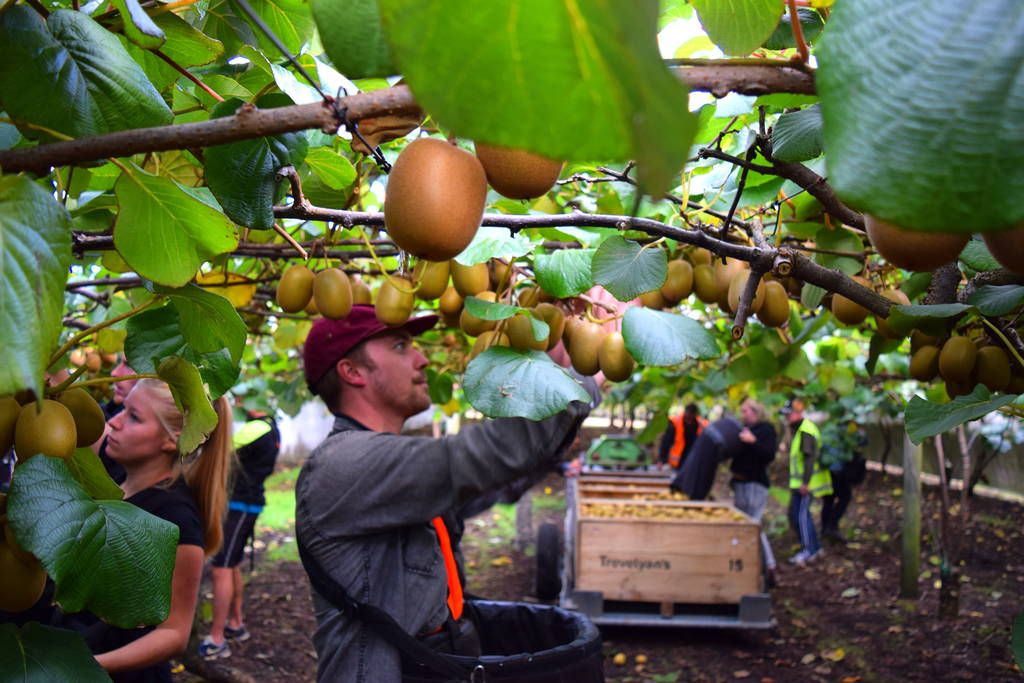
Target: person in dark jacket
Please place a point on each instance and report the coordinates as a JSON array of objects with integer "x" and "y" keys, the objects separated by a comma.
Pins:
[
  {"x": 256, "y": 444},
  {"x": 750, "y": 483},
  {"x": 680, "y": 435},
  {"x": 717, "y": 443}
]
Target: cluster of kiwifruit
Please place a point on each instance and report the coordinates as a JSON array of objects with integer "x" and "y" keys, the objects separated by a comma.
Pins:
[
  {"x": 330, "y": 292},
  {"x": 54, "y": 427},
  {"x": 22, "y": 577},
  {"x": 925, "y": 251},
  {"x": 963, "y": 363},
  {"x": 853, "y": 314},
  {"x": 661, "y": 512}
]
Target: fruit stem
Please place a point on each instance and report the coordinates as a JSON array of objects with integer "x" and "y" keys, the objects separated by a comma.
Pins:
[
  {"x": 99, "y": 381},
  {"x": 380, "y": 266},
  {"x": 291, "y": 240},
  {"x": 798, "y": 32},
  {"x": 60, "y": 388},
  {"x": 600, "y": 321},
  {"x": 100, "y": 326},
  {"x": 1002, "y": 337}
]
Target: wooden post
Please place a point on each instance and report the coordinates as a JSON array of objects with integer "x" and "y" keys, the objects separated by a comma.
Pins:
[{"x": 910, "y": 563}]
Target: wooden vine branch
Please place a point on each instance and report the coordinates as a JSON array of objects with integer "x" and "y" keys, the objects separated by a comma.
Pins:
[
  {"x": 739, "y": 324},
  {"x": 718, "y": 77}
]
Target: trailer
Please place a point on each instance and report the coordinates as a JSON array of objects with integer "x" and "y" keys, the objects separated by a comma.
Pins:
[{"x": 634, "y": 554}]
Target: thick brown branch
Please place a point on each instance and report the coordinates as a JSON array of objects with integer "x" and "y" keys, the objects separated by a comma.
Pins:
[
  {"x": 820, "y": 190},
  {"x": 745, "y": 301},
  {"x": 807, "y": 270},
  {"x": 723, "y": 77},
  {"x": 942, "y": 288}
]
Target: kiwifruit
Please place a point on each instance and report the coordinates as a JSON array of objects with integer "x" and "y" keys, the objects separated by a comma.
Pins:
[
  {"x": 653, "y": 300},
  {"x": 295, "y": 288},
  {"x": 311, "y": 310},
  {"x": 571, "y": 323},
  {"x": 736, "y": 290},
  {"x": 847, "y": 311},
  {"x": 516, "y": 173},
  {"x": 15, "y": 546},
  {"x": 913, "y": 249},
  {"x": 470, "y": 280},
  {"x": 394, "y": 300},
  {"x": 93, "y": 361},
  {"x": 474, "y": 326},
  {"x": 954, "y": 389},
  {"x": 332, "y": 293},
  {"x": 1016, "y": 385},
  {"x": 957, "y": 359},
  {"x": 900, "y": 299},
  {"x": 531, "y": 296},
  {"x": 726, "y": 271},
  {"x": 361, "y": 293},
  {"x": 9, "y": 410},
  {"x": 584, "y": 347},
  {"x": 499, "y": 274},
  {"x": 435, "y": 199},
  {"x": 432, "y": 278},
  {"x": 450, "y": 305},
  {"x": 919, "y": 339},
  {"x": 520, "y": 333},
  {"x": 555, "y": 319},
  {"x": 486, "y": 340},
  {"x": 774, "y": 311},
  {"x": 992, "y": 368},
  {"x": 704, "y": 284},
  {"x": 1007, "y": 246},
  {"x": 21, "y": 583},
  {"x": 678, "y": 282},
  {"x": 89, "y": 418},
  {"x": 615, "y": 361},
  {"x": 924, "y": 363},
  {"x": 45, "y": 427},
  {"x": 699, "y": 256}
]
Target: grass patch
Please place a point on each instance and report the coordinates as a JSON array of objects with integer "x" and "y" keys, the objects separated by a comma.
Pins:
[
  {"x": 279, "y": 513},
  {"x": 552, "y": 502},
  {"x": 283, "y": 479},
  {"x": 284, "y": 552}
]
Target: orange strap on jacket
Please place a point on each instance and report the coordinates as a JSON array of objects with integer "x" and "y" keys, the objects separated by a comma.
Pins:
[
  {"x": 450, "y": 568},
  {"x": 675, "y": 455}
]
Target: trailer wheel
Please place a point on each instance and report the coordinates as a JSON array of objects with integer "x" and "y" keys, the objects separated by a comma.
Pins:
[{"x": 549, "y": 551}]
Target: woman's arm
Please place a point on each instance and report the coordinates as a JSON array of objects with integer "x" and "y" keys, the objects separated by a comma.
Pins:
[{"x": 170, "y": 637}]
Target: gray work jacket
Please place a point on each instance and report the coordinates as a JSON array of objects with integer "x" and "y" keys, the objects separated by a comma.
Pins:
[{"x": 364, "y": 501}]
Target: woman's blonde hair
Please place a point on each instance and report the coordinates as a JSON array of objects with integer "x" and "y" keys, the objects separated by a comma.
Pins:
[
  {"x": 756, "y": 407},
  {"x": 206, "y": 470}
]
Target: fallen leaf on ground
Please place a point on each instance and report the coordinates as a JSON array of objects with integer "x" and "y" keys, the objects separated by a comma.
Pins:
[
  {"x": 502, "y": 561},
  {"x": 742, "y": 673},
  {"x": 850, "y": 593},
  {"x": 836, "y": 655},
  {"x": 872, "y": 574},
  {"x": 808, "y": 658}
]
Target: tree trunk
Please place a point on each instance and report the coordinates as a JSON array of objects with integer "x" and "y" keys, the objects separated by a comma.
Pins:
[{"x": 910, "y": 563}]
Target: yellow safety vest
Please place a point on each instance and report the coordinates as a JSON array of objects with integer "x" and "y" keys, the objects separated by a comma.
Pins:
[{"x": 821, "y": 481}]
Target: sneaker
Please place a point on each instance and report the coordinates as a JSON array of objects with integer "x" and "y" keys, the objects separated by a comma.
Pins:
[
  {"x": 240, "y": 634},
  {"x": 811, "y": 557},
  {"x": 800, "y": 559},
  {"x": 211, "y": 650}
]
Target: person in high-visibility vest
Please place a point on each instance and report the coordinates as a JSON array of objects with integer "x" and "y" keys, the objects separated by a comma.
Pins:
[
  {"x": 808, "y": 479},
  {"x": 680, "y": 435}
]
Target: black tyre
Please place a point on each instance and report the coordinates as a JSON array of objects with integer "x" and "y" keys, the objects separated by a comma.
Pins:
[{"x": 549, "y": 555}]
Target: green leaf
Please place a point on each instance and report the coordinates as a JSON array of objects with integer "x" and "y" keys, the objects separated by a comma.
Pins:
[
  {"x": 977, "y": 256},
  {"x": 209, "y": 322},
  {"x": 332, "y": 168},
  {"x": 43, "y": 654},
  {"x": 138, "y": 26},
  {"x": 758, "y": 363},
  {"x": 440, "y": 385},
  {"x": 839, "y": 239},
  {"x": 491, "y": 243},
  {"x": 353, "y": 37},
  {"x": 486, "y": 310},
  {"x": 565, "y": 273},
  {"x": 925, "y": 418},
  {"x": 190, "y": 397},
  {"x": 108, "y": 557},
  {"x": 89, "y": 472},
  {"x": 569, "y": 80},
  {"x": 996, "y": 300},
  {"x": 926, "y": 318},
  {"x": 627, "y": 270},
  {"x": 811, "y": 296},
  {"x": 165, "y": 233},
  {"x": 243, "y": 174},
  {"x": 739, "y": 26},
  {"x": 797, "y": 135},
  {"x": 782, "y": 38},
  {"x": 290, "y": 20},
  {"x": 503, "y": 382},
  {"x": 185, "y": 45},
  {"x": 944, "y": 151},
  {"x": 35, "y": 234},
  {"x": 72, "y": 60},
  {"x": 659, "y": 338}
]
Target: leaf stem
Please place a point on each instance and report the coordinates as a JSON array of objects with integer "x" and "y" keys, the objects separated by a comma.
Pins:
[
  {"x": 1002, "y": 337},
  {"x": 190, "y": 76},
  {"x": 100, "y": 381},
  {"x": 380, "y": 266},
  {"x": 798, "y": 32},
  {"x": 100, "y": 326},
  {"x": 60, "y": 388}
]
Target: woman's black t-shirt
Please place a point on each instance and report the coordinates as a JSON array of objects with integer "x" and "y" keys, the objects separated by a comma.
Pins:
[{"x": 175, "y": 504}]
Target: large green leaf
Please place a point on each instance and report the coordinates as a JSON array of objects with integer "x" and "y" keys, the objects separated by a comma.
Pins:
[
  {"x": 71, "y": 60},
  {"x": 186, "y": 46},
  {"x": 839, "y": 239},
  {"x": 927, "y": 318},
  {"x": 570, "y": 80},
  {"x": 627, "y": 269},
  {"x": 88, "y": 470},
  {"x": 659, "y": 338},
  {"x": 739, "y": 26},
  {"x": 565, "y": 273},
  {"x": 922, "y": 104},
  {"x": 491, "y": 242},
  {"x": 208, "y": 321},
  {"x": 138, "y": 26},
  {"x": 488, "y": 310},
  {"x": 503, "y": 382},
  {"x": 977, "y": 256},
  {"x": 782, "y": 37},
  {"x": 187, "y": 388},
  {"x": 290, "y": 20},
  {"x": 356, "y": 44},
  {"x": 107, "y": 556},
  {"x": 163, "y": 231},
  {"x": 924, "y": 418},
  {"x": 996, "y": 300},
  {"x": 35, "y": 252},
  {"x": 43, "y": 654},
  {"x": 796, "y": 136},
  {"x": 155, "y": 335},
  {"x": 243, "y": 174}
]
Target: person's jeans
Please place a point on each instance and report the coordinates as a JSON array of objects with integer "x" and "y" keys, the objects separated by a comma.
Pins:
[
  {"x": 751, "y": 497},
  {"x": 802, "y": 521},
  {"x": 833, "y": 507}
]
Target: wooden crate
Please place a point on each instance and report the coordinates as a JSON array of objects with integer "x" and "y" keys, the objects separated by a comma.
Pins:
[{"x": 665, "y": 560}]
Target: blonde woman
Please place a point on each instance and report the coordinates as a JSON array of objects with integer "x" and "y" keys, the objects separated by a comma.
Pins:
[{"x": 758, "y": 443}]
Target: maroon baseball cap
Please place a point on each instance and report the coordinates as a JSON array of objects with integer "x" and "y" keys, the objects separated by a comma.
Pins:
[{"x": 330, "y": 340}]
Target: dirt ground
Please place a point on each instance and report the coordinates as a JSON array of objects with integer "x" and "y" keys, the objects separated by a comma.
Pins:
[{"x": 839, "y": 619}]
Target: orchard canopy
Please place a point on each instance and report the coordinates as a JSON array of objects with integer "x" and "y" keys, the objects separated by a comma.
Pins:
[{"x": 745, "y": 185}]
